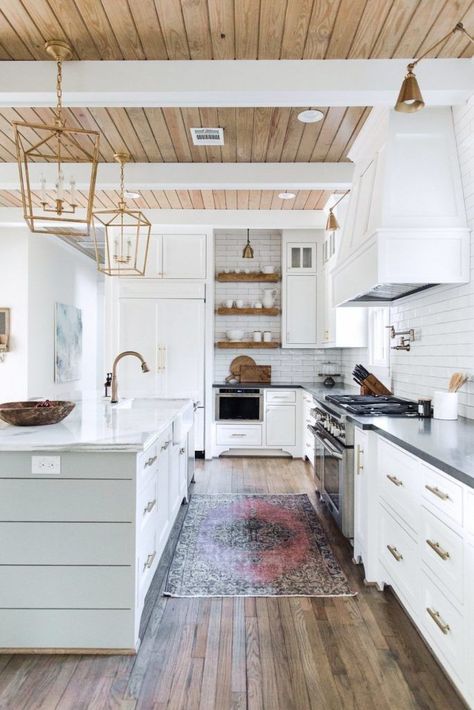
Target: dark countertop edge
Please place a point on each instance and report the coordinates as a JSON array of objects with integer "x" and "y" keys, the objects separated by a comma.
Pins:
[
  {"x": 262, "y": 385},
  {"x": 423, "y": 455}
]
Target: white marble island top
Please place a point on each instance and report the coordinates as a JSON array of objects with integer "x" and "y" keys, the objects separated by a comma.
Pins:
[{"x": 96, "y": 425}]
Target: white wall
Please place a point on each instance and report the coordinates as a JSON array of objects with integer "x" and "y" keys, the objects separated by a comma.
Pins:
[
  {"x": 35, "y": 273},
  {"x": 443, "y": 317},
  {"x": 14, "y": 295},
  {"x": 60, "y": 274},
  {"x": 288, "y": 365}
]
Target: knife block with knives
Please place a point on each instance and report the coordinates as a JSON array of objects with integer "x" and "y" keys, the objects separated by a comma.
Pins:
[{"x": 369, "y": 384}]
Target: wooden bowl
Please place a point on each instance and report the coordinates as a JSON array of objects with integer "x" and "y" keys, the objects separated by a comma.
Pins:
[{"x": 30, "y": 414}]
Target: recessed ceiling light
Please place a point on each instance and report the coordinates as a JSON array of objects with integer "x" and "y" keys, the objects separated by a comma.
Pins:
[
  {"x": 287, "y": 195},
  {"x": 311, "y": 115},
  {"x": 132, "y": 195}
]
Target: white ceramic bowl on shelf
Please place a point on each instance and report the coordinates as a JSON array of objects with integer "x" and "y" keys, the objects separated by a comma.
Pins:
[{"x": 235, "y": 335}]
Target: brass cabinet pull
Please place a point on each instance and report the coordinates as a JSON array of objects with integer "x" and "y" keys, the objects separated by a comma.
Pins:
[
  {"x": 438, "y": 549},
  {"x": 359, "y": 465},
  {"x": 435, "y": 615},
  {"x": 238, "y": 436},
  {"x": 165, "y": 446},
  {"x": 150, "y": 461},
  {"x": 149, "y": 506},
  {"x": 396, "y": 481},
  {"x": 393, "y": 551},
  {"x": 436, "y": 491},
  {"x": 149, "y": 561}
]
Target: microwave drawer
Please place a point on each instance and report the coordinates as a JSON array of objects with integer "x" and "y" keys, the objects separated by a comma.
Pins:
[{"x": 238, "y": 436}]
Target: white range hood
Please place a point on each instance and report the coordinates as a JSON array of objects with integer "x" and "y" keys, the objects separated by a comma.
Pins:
[{"x": 405, "y": 228}]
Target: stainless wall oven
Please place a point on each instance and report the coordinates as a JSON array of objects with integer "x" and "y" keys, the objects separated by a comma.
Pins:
[
  {"x": 240, "y": 404},
  {"x": 334, "y": 465}
]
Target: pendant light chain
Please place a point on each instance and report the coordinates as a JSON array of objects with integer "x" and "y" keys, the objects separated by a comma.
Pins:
[
  {"x": 59, "y": 93},
  {"x": 122, "y": 182}
]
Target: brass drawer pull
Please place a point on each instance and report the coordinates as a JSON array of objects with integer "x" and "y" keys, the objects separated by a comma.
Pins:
[
  {"x": 436, "y": 491},
  {"x": 438, "y": 620},
  {"x": 149, "y": 506},
  {"x": 438, "y": 549},
  {"x": 393, "y": 551},
  {"x": 149, "y": 561},
  {"x": 238, "y": 436},
  {"x": 150, "y": 461},
  {"x": 165, "y": 446},
  {"x": 396, "y": 481}
]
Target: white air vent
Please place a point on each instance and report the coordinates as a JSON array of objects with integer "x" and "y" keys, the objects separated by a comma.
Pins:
[{"x": 208, "y": 136}]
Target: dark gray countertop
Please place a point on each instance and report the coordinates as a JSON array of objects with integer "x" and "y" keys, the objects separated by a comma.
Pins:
[{"x": 448, "y": 445}]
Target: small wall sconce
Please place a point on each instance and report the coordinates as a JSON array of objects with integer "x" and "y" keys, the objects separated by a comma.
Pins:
[
  {"x": 404, "y": 343},
  {"x": 4, "y": 332}
]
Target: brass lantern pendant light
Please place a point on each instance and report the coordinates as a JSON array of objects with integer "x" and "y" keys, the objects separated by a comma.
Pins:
[
  {"x": 410, "y": 98},
  {"x": 123, "y": 251},
  {"x": 248, "y": 249},
  {"x": 48, "y": 156}
]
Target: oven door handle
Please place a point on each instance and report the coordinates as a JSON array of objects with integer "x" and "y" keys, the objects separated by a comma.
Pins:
[{"x": 325, "y": 442}]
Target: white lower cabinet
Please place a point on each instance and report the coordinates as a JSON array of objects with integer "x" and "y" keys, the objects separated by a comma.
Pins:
[
  {"x": 79, "y": 550},
  {"x": 360, "y": 495},
  {"x": 280, "y": 425},
  {"x": 424, "y": 536}
]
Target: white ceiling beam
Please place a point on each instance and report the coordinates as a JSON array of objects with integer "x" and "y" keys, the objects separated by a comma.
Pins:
[
  {"x": 217, "y": 219},
  {"x": 196, "y": 176},
  {"x": 334, "y": 82}
]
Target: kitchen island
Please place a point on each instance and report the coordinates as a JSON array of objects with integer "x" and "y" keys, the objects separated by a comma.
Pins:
[{"x": 86, "y": 508}]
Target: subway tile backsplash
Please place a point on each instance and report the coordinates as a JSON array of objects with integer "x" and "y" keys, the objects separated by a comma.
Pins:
[{"x": 295, "y": 365}]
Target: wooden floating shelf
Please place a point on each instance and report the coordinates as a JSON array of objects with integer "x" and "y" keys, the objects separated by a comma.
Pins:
[
  {"x": 246, "y": 344},
  {"x": 222, "y": 311},
  {"x": 254, "y": 276}
]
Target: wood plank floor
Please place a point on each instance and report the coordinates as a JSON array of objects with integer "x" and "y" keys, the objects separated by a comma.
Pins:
[{"x": 277, "y": 654}]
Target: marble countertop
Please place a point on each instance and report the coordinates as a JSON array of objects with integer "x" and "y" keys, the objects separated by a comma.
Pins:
[{"x": 96, "y": 425}]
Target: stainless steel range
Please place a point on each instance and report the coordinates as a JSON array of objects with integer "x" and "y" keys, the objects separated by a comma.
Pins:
[{"x": 334, "y": 447}]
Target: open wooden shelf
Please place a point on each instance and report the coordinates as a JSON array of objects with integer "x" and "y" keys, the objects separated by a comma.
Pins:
[
  {"x": 246, "y": 344},
  {"x": 222, "y": 311},
  {"x": 254, "y": 276}
]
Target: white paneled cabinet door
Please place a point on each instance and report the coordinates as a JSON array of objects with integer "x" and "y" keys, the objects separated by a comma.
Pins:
[
  {"x": 180, "y": 334},
  {"x": 137, "y": 331},
  {"x": 300, "y": 318},
  {"x": 360, "y": 495},
  {"x": 301, "y": 258},
  {"x": 183, "y": 256},
  {"x": 280, "y": 425}
]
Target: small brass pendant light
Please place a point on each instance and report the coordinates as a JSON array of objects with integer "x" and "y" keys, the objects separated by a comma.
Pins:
[
  {"x": 332, "y": 225},
  {"x": 248, "y": 250},
  {"x": 410, "y": 98}
]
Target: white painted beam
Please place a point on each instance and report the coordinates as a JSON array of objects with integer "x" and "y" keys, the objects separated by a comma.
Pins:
[
  {"x": 196, "y": 176},
  {"x": 335, "y": 82},
  {"x": 218, "y": 219}
]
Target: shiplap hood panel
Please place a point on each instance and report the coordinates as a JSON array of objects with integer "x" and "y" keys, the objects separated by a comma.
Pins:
[{"x": 405, "y": 227}]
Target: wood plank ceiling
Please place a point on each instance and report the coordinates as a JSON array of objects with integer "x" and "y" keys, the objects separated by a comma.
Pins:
[
  {"x": 233, "y": 29},
  {"x": 197, "y": 199},
  {"x": 162, "y": 134}
]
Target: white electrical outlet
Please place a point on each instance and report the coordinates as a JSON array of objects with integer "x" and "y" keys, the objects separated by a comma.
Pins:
[{"x": 46, "y": 465}]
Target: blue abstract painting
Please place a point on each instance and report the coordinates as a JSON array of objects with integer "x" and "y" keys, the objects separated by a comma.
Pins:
[{"x": 68, "y": 343}]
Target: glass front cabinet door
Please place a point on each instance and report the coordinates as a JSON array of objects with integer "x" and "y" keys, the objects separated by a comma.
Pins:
[{"x": 301, "y": 258}]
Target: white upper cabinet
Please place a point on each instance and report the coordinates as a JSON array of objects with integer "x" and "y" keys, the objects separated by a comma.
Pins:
[
  {"x": 177, "y": 256},
  {"x": 300, "y": 311},
  {"x": 301, "y": 258}
]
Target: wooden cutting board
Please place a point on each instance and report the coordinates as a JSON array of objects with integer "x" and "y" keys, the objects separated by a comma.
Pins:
[{"x": 256, "y": 373}]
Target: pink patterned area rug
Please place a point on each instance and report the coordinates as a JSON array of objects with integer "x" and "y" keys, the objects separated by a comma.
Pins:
[{"x": 254, "y": 545}]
